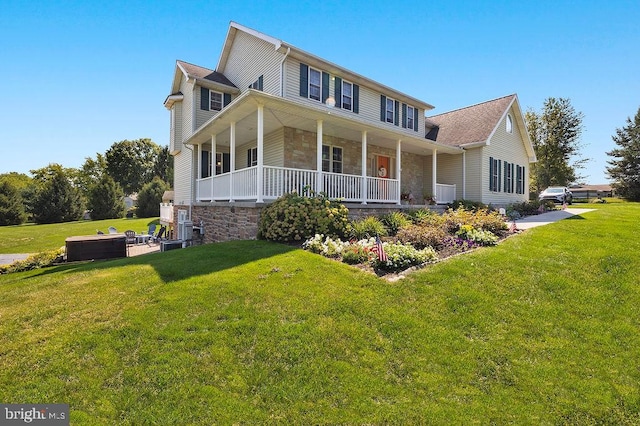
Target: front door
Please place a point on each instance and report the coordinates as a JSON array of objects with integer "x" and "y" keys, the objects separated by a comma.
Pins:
[{"x": 383, "y": 166}]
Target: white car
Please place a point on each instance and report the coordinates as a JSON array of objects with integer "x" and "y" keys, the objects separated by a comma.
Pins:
[{"x": 557, "y": 194}]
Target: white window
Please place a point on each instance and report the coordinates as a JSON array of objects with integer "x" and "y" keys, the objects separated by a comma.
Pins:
[
  {"x": 509, "y": 124},
  {"x": 215, "y": 101},
  {"x": 390, "y": 110},
  {"x": 410, "y": 116},
  {"x": 252, "y": 157},
  {"x": 315, "y": 84},
  {"x": 347, "y": 95},
  {"x": 331, "y": 159}
]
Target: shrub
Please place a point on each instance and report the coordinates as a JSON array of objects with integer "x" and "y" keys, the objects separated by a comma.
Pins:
[
  {"x": 525, "y": 208},
  {"x": 401, "y": 256},
  {"x": 422, "y": 236},
  {"x": 35, "y": 261},
  {"x": 479, "y": 236},
  {"x": 394, "y": 221},
  {"x": 325, "y": 246},
  {"x": 480, "y": 219},
  {"x": 467, "y": 205},
  {"x": 355, "y": 254},
  {"x": 367, "y": 228},
  {"x": 295, "y": 218}
]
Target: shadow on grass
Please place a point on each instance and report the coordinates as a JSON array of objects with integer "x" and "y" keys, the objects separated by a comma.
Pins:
[{"x": 175, "y": 265}]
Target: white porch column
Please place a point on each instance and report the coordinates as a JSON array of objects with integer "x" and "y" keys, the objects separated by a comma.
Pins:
[
  {"x": 232, "y": 157},
  {"x": 198, "y": 170},
  {"x": 213, "y": 162},
  {"x": 464, "y": 175},
  {"x": 260, "y": 183},
  {"x": 434, "y": 167},
  {"x": 399, "y": 169},
  {"x": 319, "y": 186},
  {"x": 364, "y": 167}
]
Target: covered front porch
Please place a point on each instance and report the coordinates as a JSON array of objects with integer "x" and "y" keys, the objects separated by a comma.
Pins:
[
  {"x": 243, "y": 185},
  {"x": 293, "y": 147}
]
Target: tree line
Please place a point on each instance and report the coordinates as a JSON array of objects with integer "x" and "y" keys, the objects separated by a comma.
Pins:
[{"x": 55, "y": 194}]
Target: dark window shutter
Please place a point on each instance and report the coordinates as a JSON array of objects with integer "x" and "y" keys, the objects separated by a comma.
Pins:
[
  {"x": 499, "y": 175},
  {"x": 490, "y": 173},
  {"x": 204, "y": 98},
  {"x": 226, "y": 99},
  {"x": 404, "y": 115},
  {"x": 261, "y": 83},
  {"x": 226, "y": 162},
  {"x": 356, "y": 98},
  {"x": 415, "y": 119},
  {"x": 304, "y": 80},
  {"x": 325, "y": 86},
  {"x": 204, "y": 172},
  {"x": 249, "y": 157},
  {"x": 396, "y": 119},
  {"x": 506, "y": 174},
  {"x": 338, "y": 92},
  {"x": 383, "y": 108}
]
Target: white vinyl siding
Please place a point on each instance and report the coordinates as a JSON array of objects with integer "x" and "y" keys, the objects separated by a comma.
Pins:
[
  {"x": 273, "y": 150},
  {"x": 506, "y": 147},
  {"x": 204, "y": 115},
  {"x": 368, "y": 101},
  {"x": 251, "y": 57},
  {"x": 175, "y": 145}
]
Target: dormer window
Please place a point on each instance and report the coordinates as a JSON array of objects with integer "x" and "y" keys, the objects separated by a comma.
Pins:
[{"x": 509, "y": 124}]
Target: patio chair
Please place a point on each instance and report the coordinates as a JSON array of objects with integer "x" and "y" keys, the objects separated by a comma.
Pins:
[
  {"x": 131, "y": 236},
  {"x": 160, "y": 235},
  {"x": 113, "y": 230},
  {"x": 99, "y": 232}
]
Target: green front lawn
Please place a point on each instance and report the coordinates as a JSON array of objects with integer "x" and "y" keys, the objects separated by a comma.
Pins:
[
  {"x": 542, "y": 329},
  {"x": 31, "y": 238}
]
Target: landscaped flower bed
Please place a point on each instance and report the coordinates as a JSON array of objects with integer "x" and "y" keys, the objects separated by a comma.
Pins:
[{"x": 399, "y": 241}]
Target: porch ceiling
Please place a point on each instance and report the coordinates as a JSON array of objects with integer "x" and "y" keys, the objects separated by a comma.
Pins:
[{"x": 279, "y": 112}]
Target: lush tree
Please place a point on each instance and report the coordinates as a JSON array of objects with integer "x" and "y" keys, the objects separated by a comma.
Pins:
[
  {"x": 106, "y": 199},
  {"x": 54, "y": 198},
  {"x": 164, "y": 165},
  {"x": 624, "y": 168},
  {"x": 555, "y": 134},
  {"x": 91, "y": 172},
  {"x": 150, "y": 197},
  {"x": 132, "y": 163},
  {"x": 12, "y": 210}
]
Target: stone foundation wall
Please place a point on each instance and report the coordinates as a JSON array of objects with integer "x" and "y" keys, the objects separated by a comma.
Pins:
[
  {"x": 226, "y": 222},
  {"x": 239, "y": 221}
]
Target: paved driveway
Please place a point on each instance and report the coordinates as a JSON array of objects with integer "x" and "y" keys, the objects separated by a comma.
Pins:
[
  {"x": 8, "y": 259},
  {"x": 549, "y": 217}
]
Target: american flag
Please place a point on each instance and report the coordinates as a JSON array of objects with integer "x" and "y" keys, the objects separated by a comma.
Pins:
[
  {"x": 379, "y": 250},
  {"x": 513, "y": 227}
]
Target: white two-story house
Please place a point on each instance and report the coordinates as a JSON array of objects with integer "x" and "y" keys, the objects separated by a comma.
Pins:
[{"x": 272, "y": 119}]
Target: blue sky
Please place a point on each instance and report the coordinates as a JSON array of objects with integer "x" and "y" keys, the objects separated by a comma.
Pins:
[{"x": 78, "y": 76}]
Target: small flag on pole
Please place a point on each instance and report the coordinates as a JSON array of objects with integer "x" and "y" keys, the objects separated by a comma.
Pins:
[
  {"x": 564, "y": 206},
  {"x": 379, "y": 250},
  {"x": 541, "y": 208},
  {"x": 513, "y": 227}
]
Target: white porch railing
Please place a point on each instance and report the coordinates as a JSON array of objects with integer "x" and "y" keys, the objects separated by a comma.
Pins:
[
  {"x": 382, "y": 190},
  {"x": 445, "y": 193},
  {"x": 166, "y": 213},
  {"x": 281, "y": 180}
]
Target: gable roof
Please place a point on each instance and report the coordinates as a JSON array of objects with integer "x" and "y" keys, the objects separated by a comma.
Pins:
[
  {"x": 204, "y": 76},
  {"x": 475, "y": 125},
  {"x": 290, "y": 50},
  {"x": 202, "y": 73},
  {"x": 472, "y": 124}
]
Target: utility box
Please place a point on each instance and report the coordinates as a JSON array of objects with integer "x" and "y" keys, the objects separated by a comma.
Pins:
[{"x": 187, "y": 230}]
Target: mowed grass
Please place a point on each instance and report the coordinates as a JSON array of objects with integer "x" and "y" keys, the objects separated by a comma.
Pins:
[
  {"x": 32, "y": 238},
  {"x": 542, "y": 329}
]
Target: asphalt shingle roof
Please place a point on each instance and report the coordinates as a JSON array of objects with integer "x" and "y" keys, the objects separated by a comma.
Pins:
[
  {"x": 205, "y": 73},
  {"x": 470, "y": 124}
]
